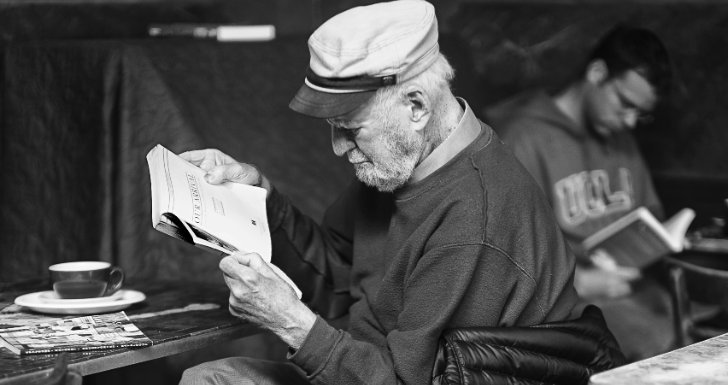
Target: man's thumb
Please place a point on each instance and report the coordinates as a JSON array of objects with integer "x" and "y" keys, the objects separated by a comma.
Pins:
[
  {"x": 252, "y": 260},
  {"x": 216, "y": 175}
]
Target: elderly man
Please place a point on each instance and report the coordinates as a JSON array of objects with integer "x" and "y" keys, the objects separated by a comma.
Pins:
[{"x": 443, "y": 228}]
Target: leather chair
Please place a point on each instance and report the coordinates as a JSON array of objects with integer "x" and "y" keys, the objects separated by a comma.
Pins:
[{"x": 566, "y": 352}]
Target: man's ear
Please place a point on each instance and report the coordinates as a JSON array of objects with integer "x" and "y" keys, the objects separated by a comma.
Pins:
[
  {"x": 596, "y": 72},
  {"x": 420, "y": 107}
]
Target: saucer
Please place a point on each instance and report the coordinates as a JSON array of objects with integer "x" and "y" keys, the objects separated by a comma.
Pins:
[
  {"x": 47, "y": 302},
  {"x": 51, "y": 296}
]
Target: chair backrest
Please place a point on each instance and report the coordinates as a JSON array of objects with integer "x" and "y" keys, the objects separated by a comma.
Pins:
[
  {"x": 566, "y": 352},
  {"x": 697, "y": 278}
]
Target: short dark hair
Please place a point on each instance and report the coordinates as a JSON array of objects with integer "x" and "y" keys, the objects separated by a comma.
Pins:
[{"x": 625, "y": 48}]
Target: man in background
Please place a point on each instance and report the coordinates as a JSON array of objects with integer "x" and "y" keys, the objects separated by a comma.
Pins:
[
  {"x": 577, "y": 145},
  {"x": 442, "y": 228}
]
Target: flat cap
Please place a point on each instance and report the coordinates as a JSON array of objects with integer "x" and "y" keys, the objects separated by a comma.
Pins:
[{"x": 365, "y": 48}]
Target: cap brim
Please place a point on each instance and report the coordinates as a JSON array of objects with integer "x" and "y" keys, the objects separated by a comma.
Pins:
[{"x": 324, "y": 105}]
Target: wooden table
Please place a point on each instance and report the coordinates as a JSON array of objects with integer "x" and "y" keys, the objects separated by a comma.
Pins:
[
  {"x": 163, "y": 317},
  {"x": 702, "y": 363}
]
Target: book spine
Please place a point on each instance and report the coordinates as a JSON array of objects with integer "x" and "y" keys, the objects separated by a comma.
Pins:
[{"x": 84, "y": 348}]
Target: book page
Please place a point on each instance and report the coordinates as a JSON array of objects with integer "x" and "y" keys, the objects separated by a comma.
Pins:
[
  {"x": 636, "y": 239},
  {"x": 636, "y": 245},
  {"x": 678, "y": 224},
  {"x": 233, "y": 212},
  {"x": 226, "y": 217}
]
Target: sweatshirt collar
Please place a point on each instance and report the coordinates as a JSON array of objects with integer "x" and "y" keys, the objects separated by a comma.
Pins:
[{"x": 465, "y": 132}]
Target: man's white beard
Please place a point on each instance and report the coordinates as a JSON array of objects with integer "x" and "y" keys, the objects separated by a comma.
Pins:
[
  {"x": 372, "y": 176},
  {"x": 390, "y": 174}
]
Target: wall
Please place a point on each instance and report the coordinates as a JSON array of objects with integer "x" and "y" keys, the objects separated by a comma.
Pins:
[
  {"x": 518, "y": 46},
  {"x": 498, "y": 48},
  {"x": 501, "y": 47}
]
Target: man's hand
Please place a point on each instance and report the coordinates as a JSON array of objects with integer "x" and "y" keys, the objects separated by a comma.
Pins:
[
  {"x": 222, "y": 168},
  {"x": 605, "y": 279},
  {"x": 260, "y": 296}
]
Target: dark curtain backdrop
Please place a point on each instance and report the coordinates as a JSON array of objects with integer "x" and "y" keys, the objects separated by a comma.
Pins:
[
  {"x": 545, "y": 44},
  {"x": 78, "y": 115},
  {"x": 523, "y": 44},
  {"x": 81, "y": 115}
]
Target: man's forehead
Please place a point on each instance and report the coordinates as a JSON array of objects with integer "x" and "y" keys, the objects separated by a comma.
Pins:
[
  {"x": 636, "y": 89},
  {"x": 355, "y": 117}
]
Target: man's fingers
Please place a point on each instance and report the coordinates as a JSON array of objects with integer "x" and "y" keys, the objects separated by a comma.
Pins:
[
  {"x": 208, "y": 164},
  {"x": 236, "y": 172},
  {"x": 196, "y": 156},
  {"x": 207, "y": 158},
  {"x": 252, "y": 260},
  {"x": 221, "y": 168},
  {"x": 618, "y": 289},
  {"x": 204, "y": 159},
  {"x": 603, "y": 260},
  {"x": 231, "y": 264},
  {"x": 628, "y": 273},
  {"x": 221, "y": 174},
  {"x": 230, "y": 267}
]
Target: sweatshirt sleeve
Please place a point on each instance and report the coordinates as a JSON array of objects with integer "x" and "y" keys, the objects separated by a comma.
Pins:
[
  {"x": 446, "y": 282},
  {"x": 316, "y": 257}
]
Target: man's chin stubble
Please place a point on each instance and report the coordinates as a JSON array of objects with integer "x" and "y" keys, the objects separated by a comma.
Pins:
[{"x": 381, "y": 184}]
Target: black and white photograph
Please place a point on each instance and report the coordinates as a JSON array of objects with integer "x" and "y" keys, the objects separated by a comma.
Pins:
[{"x": 419, "y": 192}]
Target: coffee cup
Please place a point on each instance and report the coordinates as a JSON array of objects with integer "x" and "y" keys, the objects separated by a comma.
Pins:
[{"x": 85, "y": 279}]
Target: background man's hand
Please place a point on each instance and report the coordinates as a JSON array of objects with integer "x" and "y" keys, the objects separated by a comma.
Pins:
[
  {"x": 258, "y": 295},
  {"x": 222, "y": 168},
  {"x": 605, "y": 278}
]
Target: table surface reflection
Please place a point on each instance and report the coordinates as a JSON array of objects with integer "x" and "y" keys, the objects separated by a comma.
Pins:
[{"x": 167, "y": 316}]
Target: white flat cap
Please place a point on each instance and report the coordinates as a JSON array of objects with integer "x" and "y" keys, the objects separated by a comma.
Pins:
[{"x": 365, "y": 48}]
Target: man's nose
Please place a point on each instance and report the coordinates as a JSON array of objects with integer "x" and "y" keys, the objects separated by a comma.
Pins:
[{"x": 340, "y": 141}]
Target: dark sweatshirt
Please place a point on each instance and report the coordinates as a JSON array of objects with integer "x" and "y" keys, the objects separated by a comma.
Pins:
[{"x": 472, "y": 244}]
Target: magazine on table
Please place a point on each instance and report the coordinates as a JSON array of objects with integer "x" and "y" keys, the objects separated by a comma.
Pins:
[{"x": 94, "y": 332}]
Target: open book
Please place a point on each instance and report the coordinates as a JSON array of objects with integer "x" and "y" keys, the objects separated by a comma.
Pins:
[
  {"x": 225, "y": 218},
  {"x": 638, "y": 239},
  {"x": 103, "y": 331}
]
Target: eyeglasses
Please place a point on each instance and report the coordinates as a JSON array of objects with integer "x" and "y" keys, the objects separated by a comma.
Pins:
[
  {"x": 640, "y": 117},
  {"x": 628, "y": 108}
]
